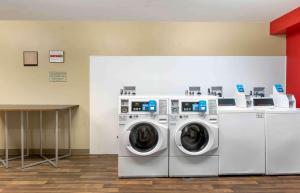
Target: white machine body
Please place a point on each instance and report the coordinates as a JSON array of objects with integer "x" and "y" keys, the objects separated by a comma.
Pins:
[
  {"x": 265, "y": 139},
  {"x": 242, "y": 100},
  {"x": 193, "y": 124},
  {"x": 281, "y": 99},
  {"x": 282, "y": 141},
  {"x": 143, "y": 136},
  {"x": 242, "y": 141},
  {"x": 242, "y": 136}
]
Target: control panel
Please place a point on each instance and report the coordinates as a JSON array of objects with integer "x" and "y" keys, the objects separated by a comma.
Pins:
[
  {"x": 279, "y": 88},
  {"x": 137, "y": 106},
  {"x": 241, "y": 99},
  {"x": 189, "y": 106},
  {"x": 240, "y": 88},
  {"x": 281, "y": 99},
  {"x": 143, "y": 106},
  {"x": 200, "y": 106}
]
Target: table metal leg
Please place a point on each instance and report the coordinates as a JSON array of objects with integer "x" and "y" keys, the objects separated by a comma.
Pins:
[
  {"x": 27, "y": 135},
  {"x": 5, "y": 162},
  {"x": 6, "y": 139},
  {"x": 56, "y": 138},
  {"x": 69, "y": 131},
  {"x": 41, "y": 133},
  {"x": 22, "y": 139},
  {"x": 53, "y": 161},
  {"x": 2, "y": 161}
]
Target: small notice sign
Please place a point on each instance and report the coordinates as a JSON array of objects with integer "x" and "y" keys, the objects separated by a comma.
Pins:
[
  {"x": 57, "y": 77},
  {"x": 56, "y": 56},
  {"x": 30, "y": 58}
]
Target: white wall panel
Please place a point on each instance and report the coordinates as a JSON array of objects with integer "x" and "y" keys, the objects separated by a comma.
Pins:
[{"x": 168, "y": 75}]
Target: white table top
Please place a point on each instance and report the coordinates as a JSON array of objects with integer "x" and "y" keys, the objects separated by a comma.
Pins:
[{"x": 34, "y": 107}]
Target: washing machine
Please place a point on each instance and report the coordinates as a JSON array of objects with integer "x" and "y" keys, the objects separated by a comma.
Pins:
[
  {"x": 193, "y": 125},
  {"x": 242, "y": 134},
  {"x": 283, "y": 135},
  {"x": 283, "y": 141},
  {"x": 143, "y": 136},
  {"x": 242, "y": 141}
]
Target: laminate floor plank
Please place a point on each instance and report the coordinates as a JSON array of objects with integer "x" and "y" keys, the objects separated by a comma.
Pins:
[{"x": 98, "y": 174}]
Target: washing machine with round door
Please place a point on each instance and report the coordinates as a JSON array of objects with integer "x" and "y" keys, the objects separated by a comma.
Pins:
[
  {"x": 193, "y": 125},
  {"x": 143, "y": 137}
]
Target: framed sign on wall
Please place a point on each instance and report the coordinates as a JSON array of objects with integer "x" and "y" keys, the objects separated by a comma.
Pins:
[
  {"x": 56, "y": 56},
  {"x": 30, "y": 58}
]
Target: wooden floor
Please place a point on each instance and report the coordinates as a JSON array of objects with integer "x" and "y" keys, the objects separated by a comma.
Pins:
[{"x": 99, "y": 174}]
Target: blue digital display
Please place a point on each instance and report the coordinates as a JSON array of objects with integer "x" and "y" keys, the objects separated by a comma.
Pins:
[
  {"x": 202, "y": 106},
  {"x": 240, "y": 88},
  {"x": 152, "y": 106},
  {"x": 279, "y": 88}
]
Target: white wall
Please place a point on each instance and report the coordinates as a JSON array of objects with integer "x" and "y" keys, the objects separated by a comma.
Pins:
[{"x": 168, "y": 75}]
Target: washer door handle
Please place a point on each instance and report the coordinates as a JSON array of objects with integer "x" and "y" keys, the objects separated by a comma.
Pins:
[
  {"x": 127, "y": 137},
  {"x": 178, "y": 138}
]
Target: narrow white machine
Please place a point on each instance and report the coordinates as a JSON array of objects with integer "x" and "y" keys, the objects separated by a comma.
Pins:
[
  {"x": 283, "y": 135},
  {"x": 143, "y": 136},
  {"x": 242, "y": 137},
  {"x": 193, "y": 136}
]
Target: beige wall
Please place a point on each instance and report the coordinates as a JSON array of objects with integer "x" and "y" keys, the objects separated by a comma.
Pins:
[{"x": 82, "y": 39}]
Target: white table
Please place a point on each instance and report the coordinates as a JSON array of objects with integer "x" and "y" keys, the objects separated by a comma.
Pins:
[{"x": 22, "y": 109}]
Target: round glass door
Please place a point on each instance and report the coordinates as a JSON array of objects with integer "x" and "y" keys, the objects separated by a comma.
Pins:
[
  {"x": 143, "y": 137},
  {"x": 194, "y": 137}
]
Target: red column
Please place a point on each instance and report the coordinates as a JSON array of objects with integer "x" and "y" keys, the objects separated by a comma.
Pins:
[
  {"x": 293, "y": 62},
  {"x": 289, "y": 24}
]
